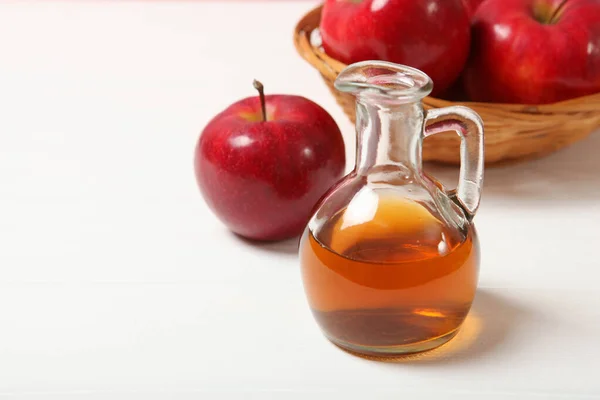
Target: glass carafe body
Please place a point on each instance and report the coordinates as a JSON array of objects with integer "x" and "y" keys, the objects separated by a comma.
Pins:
[{"x": 390, "y": 258}]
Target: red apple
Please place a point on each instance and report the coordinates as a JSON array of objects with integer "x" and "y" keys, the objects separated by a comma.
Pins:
[
  {"x": 472, "y": 5},
  {"x": 534, "y": 51},
  {"x": 263, "y": 163},
  {"x": 431, "y": 35}
]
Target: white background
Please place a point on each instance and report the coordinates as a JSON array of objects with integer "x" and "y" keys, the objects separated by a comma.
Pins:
[{"x": 116, "y": 281}]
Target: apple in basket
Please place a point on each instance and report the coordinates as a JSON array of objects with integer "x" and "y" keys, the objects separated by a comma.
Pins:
[
  {"x": 263, "y": 163},
  {"x": 534, "y": 51},
  {"x": 431, "y": 35}
]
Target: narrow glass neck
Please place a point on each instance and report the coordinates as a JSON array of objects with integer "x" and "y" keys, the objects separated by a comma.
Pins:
[{"x": 388, "y": 135}]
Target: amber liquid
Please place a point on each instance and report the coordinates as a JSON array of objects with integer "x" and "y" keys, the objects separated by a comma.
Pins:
[{"x": 400, "y": 282}]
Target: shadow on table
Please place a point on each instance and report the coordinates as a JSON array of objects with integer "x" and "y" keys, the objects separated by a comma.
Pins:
[
  {"x": 289, "y": 246},
  {"x": 569, "y": 175},
  {"x": 488, "y": 326}
]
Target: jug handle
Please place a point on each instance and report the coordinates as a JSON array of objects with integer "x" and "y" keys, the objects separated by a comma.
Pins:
[{"x": 469, "y": 126}]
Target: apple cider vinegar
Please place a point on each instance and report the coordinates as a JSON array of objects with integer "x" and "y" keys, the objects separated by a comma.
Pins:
[
  {"x": 399, "y": 279},
  {"x": 390, "y": 257}
]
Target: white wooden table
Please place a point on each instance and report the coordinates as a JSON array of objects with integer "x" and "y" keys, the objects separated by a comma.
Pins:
[{"x": 116, "y": 281}]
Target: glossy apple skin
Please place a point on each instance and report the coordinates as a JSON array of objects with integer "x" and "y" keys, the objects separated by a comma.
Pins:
[
  {"x": 516, "y": 59},
  {"x": 262, "y": 179},
  {"x": 472, "y": 5},
  {"x": 431, "y": 35}
]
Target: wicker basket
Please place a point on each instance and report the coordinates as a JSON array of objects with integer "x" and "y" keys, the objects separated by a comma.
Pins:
[{"x": 512, "y": 132}]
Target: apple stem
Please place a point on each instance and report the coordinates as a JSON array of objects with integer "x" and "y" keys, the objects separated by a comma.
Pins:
[
  {"x": 556, "y": 12},
  {"x": 261, "y": 91}
]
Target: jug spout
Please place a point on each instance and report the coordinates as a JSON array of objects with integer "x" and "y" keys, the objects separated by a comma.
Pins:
[{"x": 385, "y": 82}]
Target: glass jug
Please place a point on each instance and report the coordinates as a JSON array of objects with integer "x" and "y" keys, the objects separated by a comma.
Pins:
[{"x": 390, "y": 258}]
